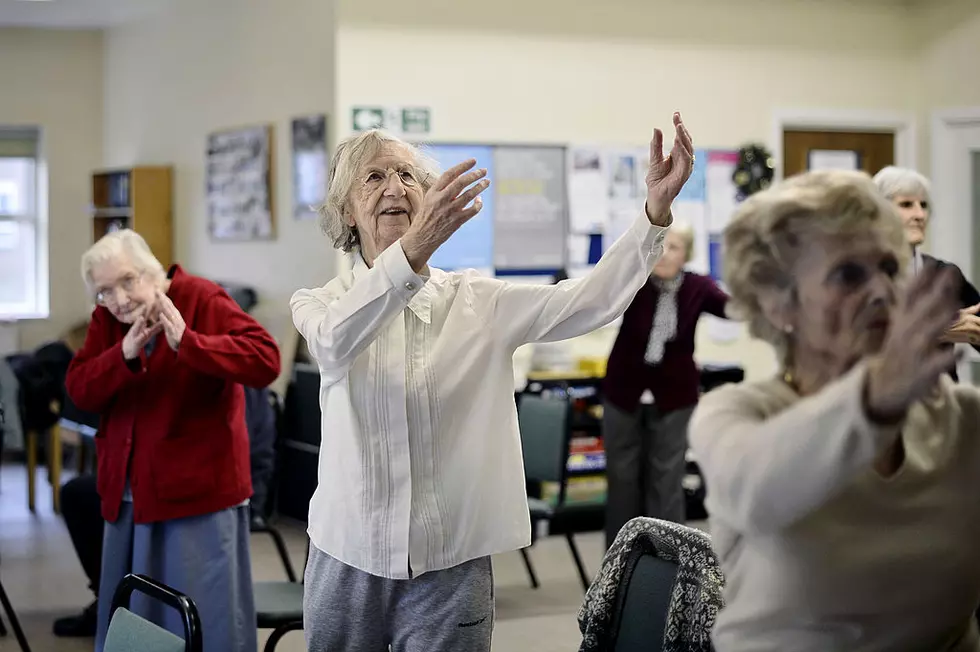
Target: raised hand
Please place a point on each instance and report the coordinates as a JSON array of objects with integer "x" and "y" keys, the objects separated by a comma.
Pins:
[
  {"x": 911, "y": 360},
  {"x": 171, "y": 319},
  {"x": 447, "y": 205},
  {"x": 137, "y": 337},
  {"x": 966, "y": 330},
  {"x": 668, "y": 174}
]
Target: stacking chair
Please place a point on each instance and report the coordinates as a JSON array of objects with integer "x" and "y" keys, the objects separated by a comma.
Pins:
[
  {"x": 545, "y": 440},
  {"x": 278, "y": 605},
  {"x": 131, "y": 633},
  {"x": 666, "y": 591}
]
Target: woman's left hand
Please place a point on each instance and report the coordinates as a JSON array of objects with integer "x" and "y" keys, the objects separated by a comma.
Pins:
[
  {"x": 173, "y": 323},
  {"x": 667, "y": 175}
]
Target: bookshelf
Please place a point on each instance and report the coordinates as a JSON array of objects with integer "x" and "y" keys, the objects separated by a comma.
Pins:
[{"x": 138, "y": 198}]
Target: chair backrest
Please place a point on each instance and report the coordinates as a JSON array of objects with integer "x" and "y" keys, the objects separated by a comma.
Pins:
[
  {"x": 648, "y": 586},
  {"x": 544, "y": 437},
  {"x": 133, "y": 628},
  {"x": 128, "y": 632}
]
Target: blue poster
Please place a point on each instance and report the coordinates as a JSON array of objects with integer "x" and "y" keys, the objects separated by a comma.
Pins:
[
  {"x": 472, "y": 245},
  {"x": 696, "y": 188}
]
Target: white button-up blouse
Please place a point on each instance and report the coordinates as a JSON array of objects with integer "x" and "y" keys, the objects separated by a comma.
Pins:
[{"x": 420, "y": 463}]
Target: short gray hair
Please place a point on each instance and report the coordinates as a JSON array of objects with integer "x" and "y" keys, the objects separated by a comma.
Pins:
[
  {"x": 770, "y": 229},
  {"x": 124, "y": 244},
  {"x": 351, "y": 154},
  {"x": 894, "y": 181}
]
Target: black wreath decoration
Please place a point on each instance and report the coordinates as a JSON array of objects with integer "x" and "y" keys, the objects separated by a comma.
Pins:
[{"x": 754, "y": 170}]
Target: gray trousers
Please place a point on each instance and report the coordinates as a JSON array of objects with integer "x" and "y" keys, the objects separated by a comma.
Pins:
[
  {"x": 644, "y": 464},
  {"x": 348, "y": 610}
]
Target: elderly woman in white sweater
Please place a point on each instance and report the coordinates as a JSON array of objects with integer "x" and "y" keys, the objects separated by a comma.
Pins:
[{"x": 843, "y": 492}]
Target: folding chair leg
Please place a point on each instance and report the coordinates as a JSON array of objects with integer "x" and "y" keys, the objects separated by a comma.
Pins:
[
  {"x": 283, "y": 554},
  {"x": 278, "y": 633},
  {"x": 530, "y": 568},
  {"x": 3, "y": 628},
  {"x": 14, "y": 623},
  {"x": 578, "y": 561}
]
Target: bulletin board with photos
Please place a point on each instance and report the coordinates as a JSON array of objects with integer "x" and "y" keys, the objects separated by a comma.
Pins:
[{"x": 552, "y": 207}]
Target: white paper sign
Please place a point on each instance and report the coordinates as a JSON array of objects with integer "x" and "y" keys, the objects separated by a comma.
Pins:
[{"x": 833, "y": 159}]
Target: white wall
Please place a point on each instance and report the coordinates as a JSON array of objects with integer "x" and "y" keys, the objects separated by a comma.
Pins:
[
  {"x": 206, "y": 66},
  {"x": 951, "y": 53},
  {"x": 609, "y": 72},
  {"x": 53, "y": 79}
]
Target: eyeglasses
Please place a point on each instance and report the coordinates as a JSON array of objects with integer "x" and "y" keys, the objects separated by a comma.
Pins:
[
  {"x": 107, "y": 296},
  {"x": 376, "y": 177}
]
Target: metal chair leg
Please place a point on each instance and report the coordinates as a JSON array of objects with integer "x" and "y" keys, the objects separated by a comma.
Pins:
[
  {"x": 578, "y": 561},
  {"x": 14, "y": 623},
  {"x": 530, "y": 568},
  {"x": 283, "y": 553},
  {"x": 279, "y": 632},
  {"x": 31, "y": 446},
  {"x": 3, "y": 628}
]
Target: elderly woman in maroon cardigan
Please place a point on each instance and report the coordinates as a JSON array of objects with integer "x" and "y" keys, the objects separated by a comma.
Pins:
[
  {"x": 163, "y": 365},
  {"x": 651, "y": 388}
]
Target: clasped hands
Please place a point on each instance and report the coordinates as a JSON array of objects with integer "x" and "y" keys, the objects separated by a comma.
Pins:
[{"x": 162, "y": 317}]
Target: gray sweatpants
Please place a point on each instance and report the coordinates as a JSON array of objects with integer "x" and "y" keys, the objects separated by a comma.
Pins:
[
  {"x": 348, "y": 610},
  {"x": 644, "y": 464}
]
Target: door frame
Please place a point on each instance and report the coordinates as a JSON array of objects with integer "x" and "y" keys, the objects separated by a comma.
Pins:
[
  {"x": 903, "y": 124},
  {"x": 945, "y": 233}
]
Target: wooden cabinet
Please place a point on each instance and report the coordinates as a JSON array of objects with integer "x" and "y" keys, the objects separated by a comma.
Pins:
[{"x": 138, "y": 198}]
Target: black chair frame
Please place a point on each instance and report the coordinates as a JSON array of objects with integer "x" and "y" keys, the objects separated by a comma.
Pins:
[
  {"x": 14, "y": 622},
  {"x": 193, "y": 641}
]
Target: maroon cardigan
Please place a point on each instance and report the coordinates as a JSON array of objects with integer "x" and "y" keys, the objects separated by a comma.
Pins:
[
  {"x": 675, "y": 381},
  {"x": 177, "y": 420}
]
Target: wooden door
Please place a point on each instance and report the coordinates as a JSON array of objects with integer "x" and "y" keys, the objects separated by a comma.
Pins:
[{"x": 872, "y": 150}]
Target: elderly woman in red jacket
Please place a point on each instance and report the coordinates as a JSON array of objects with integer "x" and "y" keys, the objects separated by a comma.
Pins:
[{"x": 163, "y": 365}]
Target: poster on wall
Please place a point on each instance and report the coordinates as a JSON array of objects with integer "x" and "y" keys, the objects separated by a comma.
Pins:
[
  {"x": 530, "y": 211},
  {"x": 309, "y": 154},
  {"x": 472, "y": 245},
  {"x": 239, "y": 184}
]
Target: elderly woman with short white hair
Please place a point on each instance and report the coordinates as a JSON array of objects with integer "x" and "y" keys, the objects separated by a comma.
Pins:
[
  {"x": 842, "y": 492},
  {"x": 910, "y": 192},
  {"x": 163, "y": 364},
  {"x": 421, "y": 476}
]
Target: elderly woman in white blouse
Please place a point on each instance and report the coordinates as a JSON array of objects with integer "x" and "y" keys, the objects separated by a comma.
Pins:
[
  {"x": 843, "y": 492},
  {"x": 421, "y": 476}
]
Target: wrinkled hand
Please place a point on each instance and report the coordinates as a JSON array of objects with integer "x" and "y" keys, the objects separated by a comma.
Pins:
[
  {"x": 910, "y": 362},
  {"x": 137, "y": 336},
  {"x": 170, "y": 318},
  {"x": 667, "y": 175},
  {"x": 448, "y": 205},
  {"x": 966, "y": 330}
]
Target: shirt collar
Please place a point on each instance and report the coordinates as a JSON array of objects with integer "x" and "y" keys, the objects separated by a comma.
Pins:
[{"x": 420, "y": 304}]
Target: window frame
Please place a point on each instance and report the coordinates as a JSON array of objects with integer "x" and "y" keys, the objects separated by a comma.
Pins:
[{"x": 38, "y": 304}]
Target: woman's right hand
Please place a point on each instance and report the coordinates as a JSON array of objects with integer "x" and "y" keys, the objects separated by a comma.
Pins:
[
  {"x": 445, "y": 207},
  {"x": 137, "y": 337},
  {"x": 910, "y": 361}
]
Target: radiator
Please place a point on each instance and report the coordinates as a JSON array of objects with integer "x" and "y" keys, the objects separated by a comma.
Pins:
[{"x": 9, "y": 338}]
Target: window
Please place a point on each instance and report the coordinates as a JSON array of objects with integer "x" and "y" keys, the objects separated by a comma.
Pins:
[{"x": 23, "y": 229}]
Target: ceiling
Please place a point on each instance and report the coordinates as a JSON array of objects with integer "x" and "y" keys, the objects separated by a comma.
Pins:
[
  {"x": 75, "y": 14},
  {"x": 93, "y": 14}
]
